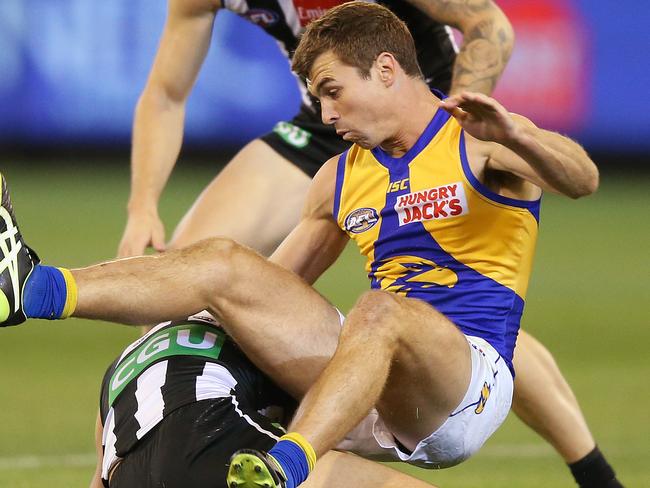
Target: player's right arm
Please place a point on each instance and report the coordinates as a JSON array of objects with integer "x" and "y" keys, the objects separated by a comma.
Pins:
[
  {"x": 317, "y": 241},
  {"x": 539, "y": 158},
  {"x": 159, "y": 118}
]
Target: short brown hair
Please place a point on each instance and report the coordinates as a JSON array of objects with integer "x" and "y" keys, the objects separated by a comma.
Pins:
[{"x": 357, "y": 32}]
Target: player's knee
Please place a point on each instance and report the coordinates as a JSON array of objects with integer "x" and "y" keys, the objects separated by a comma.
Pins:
[
  {"x": 216, "y": 261},
  {"x": 378, "y": 304},
  {"x": 377, "y": 312},
  {"x": 396, "y": 318}
]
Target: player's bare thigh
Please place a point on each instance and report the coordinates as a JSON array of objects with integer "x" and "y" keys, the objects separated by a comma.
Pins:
[
  {"x": 284, "y": 325},
  {"x": 339, "y": 469},
  {"x": 256, "y": 200},
  {"x": 431, "y": 369}
]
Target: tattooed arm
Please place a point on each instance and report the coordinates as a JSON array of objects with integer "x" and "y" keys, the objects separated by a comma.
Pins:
[{"x": 488, "y": 39}]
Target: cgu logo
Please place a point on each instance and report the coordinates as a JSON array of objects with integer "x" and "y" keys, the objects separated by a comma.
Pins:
[
  {"x": 360, "y": 220},
  {"x": 485, "y": 394},
  {"x": 156, "y": 348},
  {"x": 402, "y": 274},
  {"x": 262, "y": 17}
]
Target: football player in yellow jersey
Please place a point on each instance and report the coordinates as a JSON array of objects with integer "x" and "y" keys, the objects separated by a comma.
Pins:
[
  {"x": 271, "y": 163},
  {"x": 437, "y": 373},
  {"x": 406, "y": 358},
  {"x": 383, "y": 107}
]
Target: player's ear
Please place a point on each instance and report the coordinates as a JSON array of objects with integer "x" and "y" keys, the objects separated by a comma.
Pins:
[{"x": 386, "y": 66}]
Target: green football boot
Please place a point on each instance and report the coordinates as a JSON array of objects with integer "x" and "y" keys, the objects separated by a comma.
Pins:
[
  {"x": 17, "y": 261},
  {"x": 254, "y": 469}
]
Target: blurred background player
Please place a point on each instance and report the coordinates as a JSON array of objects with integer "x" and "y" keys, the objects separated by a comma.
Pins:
[
  {"x": 242, "y": 201},
  {"x": 176, "y": 402}
]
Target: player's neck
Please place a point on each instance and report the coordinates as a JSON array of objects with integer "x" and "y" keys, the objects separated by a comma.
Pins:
[{"x": 412, "y": 116}]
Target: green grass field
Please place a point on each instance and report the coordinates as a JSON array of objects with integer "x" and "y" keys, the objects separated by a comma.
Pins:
[{"x": 588, "y": 302}]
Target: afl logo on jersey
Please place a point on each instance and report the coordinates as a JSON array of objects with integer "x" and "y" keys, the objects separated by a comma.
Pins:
[
  {"x": 360, "y": 220},
  {"x": 262, "y": 17}
]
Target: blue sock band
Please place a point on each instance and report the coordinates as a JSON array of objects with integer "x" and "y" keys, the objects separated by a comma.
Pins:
[
  {"x": 45, "y": 293},
  {"x": 293, "y": 461}
]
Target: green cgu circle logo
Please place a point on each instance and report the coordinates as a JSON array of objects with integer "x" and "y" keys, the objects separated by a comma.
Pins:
[
  {"x": 182, "y": 340},
  {"x": 360, "y": 220}
]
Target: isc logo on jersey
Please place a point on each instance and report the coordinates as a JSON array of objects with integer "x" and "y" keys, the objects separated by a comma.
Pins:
[
  {"x": 360, "y": 220},
  {"x": 441, "y": 202}
]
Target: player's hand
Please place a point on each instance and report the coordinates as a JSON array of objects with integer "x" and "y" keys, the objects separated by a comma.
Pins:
[
  {"x": 143, "y": 229},
  {"x": 482, "y": 117}
]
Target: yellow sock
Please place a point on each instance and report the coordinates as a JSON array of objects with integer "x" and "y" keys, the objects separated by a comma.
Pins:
[
  {"x": 304, "y": 444},
  {"x": 71, "y": 293}
]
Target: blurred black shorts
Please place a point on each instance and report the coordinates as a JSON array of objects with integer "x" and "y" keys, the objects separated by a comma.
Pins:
[
  {"x": 306, "y": 141},
  {"x": 191, "y": 447}
]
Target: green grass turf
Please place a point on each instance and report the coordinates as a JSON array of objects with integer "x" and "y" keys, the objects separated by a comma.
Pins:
[{"x": 588, "y": 302}]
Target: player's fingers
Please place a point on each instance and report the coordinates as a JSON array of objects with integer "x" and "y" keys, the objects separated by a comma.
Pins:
[
  {"x": 158, "y": 239},
  {"x": 476, "y": 97},
  {"x": 456, "y": 112},
  {"x": 447, "y": 106},
  {"x": 124, "y": 248},
  {"x": 479, "y": 110},
  {"x": 453, "y": 100},
  {"x": 481, "y": 102},
  {"x": 452, "y": 106},
  {"x": 129, "y": 249},
  {"x": 124, "y": 251},
  {"x": 134, "y": 241}
]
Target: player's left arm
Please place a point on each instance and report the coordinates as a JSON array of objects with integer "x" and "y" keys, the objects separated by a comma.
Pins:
[
  {"x": 317, "y": 241},
  {"x": 488, "y": 39},
  {"x": 96, "y": 481},
  {"x": 547, "y": 159}
]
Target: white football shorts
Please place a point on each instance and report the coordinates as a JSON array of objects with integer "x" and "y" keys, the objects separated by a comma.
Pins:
[{"x": 483, "y": 409}]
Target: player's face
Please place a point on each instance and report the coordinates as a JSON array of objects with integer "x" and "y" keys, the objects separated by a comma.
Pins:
[{"x": 352, "y": 104}]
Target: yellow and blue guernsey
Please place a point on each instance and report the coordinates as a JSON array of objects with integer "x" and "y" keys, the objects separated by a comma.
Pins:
[{"x": 431, "y": 230}]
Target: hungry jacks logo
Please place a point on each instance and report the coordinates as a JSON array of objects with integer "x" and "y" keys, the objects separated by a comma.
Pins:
[{"x": 441, "y": 202}]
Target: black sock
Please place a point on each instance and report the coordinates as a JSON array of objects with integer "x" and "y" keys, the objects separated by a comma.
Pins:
[{"x": 593, "y": 471}]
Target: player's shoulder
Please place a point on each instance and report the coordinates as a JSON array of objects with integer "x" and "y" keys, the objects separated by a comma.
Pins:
[
  {"x": 321, "y": 192},
  {"x": 327, "y": 172}
]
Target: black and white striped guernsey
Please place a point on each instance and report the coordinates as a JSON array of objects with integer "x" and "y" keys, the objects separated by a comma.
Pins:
[
  {"x": 285, "y": 20},
  {"x": 175, "y": 364}
]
